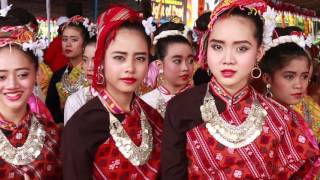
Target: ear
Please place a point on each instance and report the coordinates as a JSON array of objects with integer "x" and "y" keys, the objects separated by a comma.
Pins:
[
  {"x": 260, "y": 53},
  {"x": 266, "y": 78},
  {"x": 159, "y": 64}
]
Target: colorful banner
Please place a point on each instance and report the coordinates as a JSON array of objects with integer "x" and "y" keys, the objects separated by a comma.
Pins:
[{"x": 164, "y": 10}]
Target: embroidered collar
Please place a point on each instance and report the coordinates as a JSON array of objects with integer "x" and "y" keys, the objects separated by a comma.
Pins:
[
  {"x": 166, "y": 91},
  {"x": 218, "y": 89},
  {"x": 8, "y": 125},
  {"x": 113, "y": 106}
]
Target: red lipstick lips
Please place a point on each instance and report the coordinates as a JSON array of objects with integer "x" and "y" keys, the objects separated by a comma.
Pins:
[{"x": 228, "y": 73}]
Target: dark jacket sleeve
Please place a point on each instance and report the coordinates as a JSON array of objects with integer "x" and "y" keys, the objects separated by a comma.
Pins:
[
  {"x": 174, "y": 161},
  {"x": 52, "y": 98},
  {"x": 77, "y": 163}
]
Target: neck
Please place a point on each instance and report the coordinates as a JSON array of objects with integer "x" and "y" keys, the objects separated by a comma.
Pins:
[
  {"x": 75, "y": 61},
  {"x": 122, "y": 99},
  {"x": 14, "y": 116},
  {"x": 172, "y": 89}
]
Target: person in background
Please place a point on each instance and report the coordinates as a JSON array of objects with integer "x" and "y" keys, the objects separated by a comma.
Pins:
[
  {"x": 54, "y": 56},
  {"x": 175, "y": 64},
  {"x": 69, "y": 78},
  {"x": 76, "y": 100},
  {"x": 225, "y": 129}
]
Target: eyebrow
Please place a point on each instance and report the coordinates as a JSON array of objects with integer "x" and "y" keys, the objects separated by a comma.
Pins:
[
  {"x": 70, "y": 36},
  {"x": 235, "y": 42},
  {"x": 18, "y": 69},
  {"x": 125, "y": 53}
]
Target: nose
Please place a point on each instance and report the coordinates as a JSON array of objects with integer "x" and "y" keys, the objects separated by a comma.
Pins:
[
  {"x": 228, "y": 57},
  {"x": 90, "y": 64},
  {"x": 130, "y": 65},
  {"x": 298, "y": 83},
  {"x": 184, "y": 66},
  {"x": 11, "y": 82}
]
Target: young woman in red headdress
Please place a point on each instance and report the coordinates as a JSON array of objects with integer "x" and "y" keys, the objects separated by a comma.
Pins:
[
  {"x": 29, "y": 141},
  {"x": 225, "y": 129},
  {"x": 70, "y": 78},
  {"x": 115, "y": 135}
]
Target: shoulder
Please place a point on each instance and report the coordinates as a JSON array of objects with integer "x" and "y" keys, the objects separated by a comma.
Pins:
[
  {"x": 87, "y": 118},
  {"x": 150, "y": 97},
  {"x": 192, "y": 97}
]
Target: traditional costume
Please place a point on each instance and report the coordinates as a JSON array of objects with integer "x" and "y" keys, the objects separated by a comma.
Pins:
[
  {"x": 75, "y": 101},
  {"x": 310, "y": 111},
  {"x": 65, "y": 82},
  {"x": 30, "y": 146},
  {"x": 159, "y": 98},
  {"x": 103, "y": 142},
  {"x": 241, "y": 136},
  {"x": 209, "y": 134}
]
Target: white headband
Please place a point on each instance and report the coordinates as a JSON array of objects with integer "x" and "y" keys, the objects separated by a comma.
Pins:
[{"x": 165, "y": 34}]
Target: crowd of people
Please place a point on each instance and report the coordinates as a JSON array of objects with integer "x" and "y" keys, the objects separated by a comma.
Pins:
[{"x": 126, "y": 98}]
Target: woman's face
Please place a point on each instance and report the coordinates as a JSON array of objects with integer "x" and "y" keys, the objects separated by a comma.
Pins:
[
  {"x": 289, "y": 84},
  {"x": 126, "y": 62},
  {"x": 17, "y": 79},
  {"x": 72, "y": 42},
  {"x": 232, "y": 52},
  {"x": 178, "y": 65},
  {"x": 88, "y": 58}
]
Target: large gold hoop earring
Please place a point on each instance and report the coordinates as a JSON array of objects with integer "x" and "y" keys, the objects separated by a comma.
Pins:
[{"x": 256, "y": 72}]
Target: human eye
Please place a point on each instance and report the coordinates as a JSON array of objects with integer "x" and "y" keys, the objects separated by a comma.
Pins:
[
  {"x": 119, "y": 58},
  {"x": 216, "y": 47},
  {"x": 305, "y": 77},
  {"x": 23, "y": 75},
  {"x": 2, "y": 77},
  {"x": 242, "y": 49},
  {"x": 74, "y": 39},
  {"x": 288, "y": 76},
  {"x": 141, "y": 58},
  {"x": 64, "y": 39},
  {"x": 190, "y": 60},
  {"x": 176, "y": 61}
]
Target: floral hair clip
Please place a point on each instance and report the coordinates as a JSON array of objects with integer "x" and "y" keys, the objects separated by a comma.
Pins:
[
  {"x": 91, "y": 27},
  {"x": 295, "y": 37},
  {"x": 36, "y": 47},
  {"x": 4, "y": 11},
  {"x": 148, "y": 26}
]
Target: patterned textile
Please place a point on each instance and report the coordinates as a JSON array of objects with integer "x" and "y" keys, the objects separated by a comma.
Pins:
[
  {"x": 278, "y": 152},
  {"x": 314, "y": 113},
  {"x": 111, "y": 164},
  {"x": 38, "y": 107},
  {"x": 15, "y": 35},
  {"x": 43, "y": 79},
  {"x": 47, "y": 165},
  {"x": 73, "y": 77}
]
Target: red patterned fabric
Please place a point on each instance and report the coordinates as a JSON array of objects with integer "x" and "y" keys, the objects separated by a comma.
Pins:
[
  {"x": 111, "y": 164},
  {"x": 47, "y": 165},
  {"x": 108, "y": 22},
  {"x": 15, "y": 34},
  {"x": 278, "y": 152}
]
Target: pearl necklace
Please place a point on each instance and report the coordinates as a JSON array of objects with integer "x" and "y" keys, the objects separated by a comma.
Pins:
[
  {"x": 136, "y": 155},
  {"x": 230, "y": 135}
]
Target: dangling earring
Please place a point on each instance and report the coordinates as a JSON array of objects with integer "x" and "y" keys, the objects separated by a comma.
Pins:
[
  {"x": 256, "y": 72},
  {"x": 268, "y": 92},
  {"x": 160, "y": 77},
  {"x": 208, "y": 72},
  {"x": 100, "y": 77}
]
